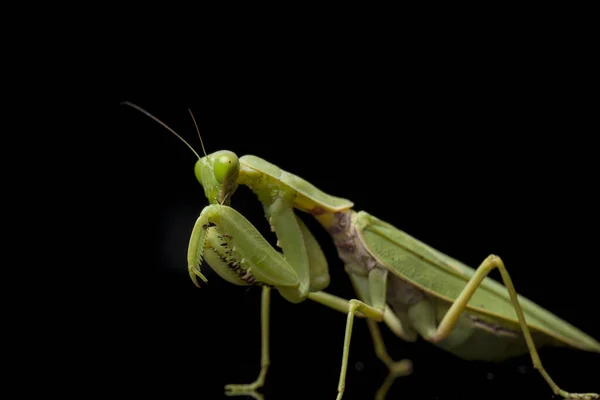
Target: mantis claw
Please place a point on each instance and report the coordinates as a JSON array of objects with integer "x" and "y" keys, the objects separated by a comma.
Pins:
[{"x": 194, "y": 274}]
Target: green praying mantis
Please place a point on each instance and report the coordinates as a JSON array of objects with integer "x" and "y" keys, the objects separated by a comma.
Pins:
[{"x": 400, "y": 281}]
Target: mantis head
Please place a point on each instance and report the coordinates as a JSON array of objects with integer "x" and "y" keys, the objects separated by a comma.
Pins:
[{"x": 218, "y": 173}]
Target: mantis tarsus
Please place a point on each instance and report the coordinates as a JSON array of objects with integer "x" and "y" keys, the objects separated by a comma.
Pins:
[{"x": 408, "y": 285}]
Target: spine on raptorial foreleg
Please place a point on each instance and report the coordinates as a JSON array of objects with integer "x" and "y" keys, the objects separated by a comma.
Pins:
[{"x": 223, "y": 257}]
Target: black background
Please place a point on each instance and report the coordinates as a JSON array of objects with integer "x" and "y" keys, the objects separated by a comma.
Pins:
[{"x": 472, "y": 161}]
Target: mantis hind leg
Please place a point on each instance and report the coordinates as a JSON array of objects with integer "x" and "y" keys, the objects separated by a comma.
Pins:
[
  {"x": 248, "y": 389},
  {"x": 428, "y": 331}
]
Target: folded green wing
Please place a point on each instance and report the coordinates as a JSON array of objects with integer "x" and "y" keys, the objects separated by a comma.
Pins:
[{"x": 445, "y": 277}]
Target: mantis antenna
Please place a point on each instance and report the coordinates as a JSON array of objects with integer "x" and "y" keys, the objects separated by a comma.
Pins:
[
  {"x": 198, "y": 130},
  {"x": 166, "y": 126}
]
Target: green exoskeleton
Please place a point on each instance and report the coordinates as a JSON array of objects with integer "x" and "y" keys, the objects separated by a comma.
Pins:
[{"x": 411, "y": 287}]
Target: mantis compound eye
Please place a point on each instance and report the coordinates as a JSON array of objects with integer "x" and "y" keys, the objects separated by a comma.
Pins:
[{"x": 226, "y": 166}]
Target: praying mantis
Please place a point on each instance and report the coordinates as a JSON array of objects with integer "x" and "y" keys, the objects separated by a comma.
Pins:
[{"x": 400, "y": 281}]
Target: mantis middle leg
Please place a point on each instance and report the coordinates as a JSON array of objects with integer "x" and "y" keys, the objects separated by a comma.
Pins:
[
  {"x": 396, "y": 368},
  {"x": 235, "y": 389},
  {"x": 377, "y": 281}
]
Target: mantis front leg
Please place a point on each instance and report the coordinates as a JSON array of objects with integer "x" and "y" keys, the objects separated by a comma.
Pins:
[{"x": 240, "y": 254}]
